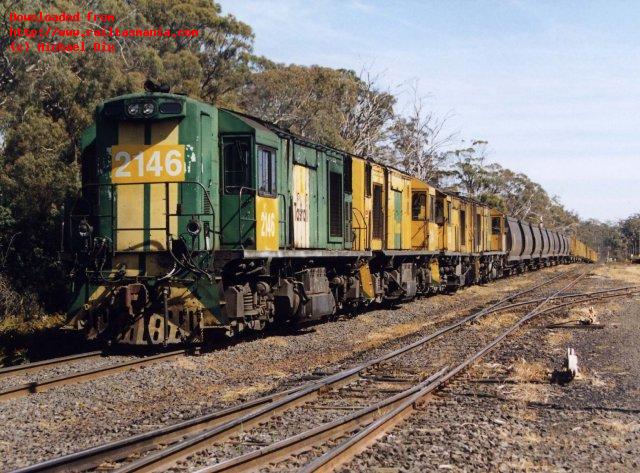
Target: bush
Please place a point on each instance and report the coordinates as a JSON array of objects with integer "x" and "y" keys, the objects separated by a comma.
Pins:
[{"x": 21, "y": 305}]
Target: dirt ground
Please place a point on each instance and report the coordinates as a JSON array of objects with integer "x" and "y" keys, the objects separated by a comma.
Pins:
[{"x": 506, "y": 415}]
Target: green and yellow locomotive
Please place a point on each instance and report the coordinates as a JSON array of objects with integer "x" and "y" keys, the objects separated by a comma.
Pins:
[{"x": 194, "y": 221}]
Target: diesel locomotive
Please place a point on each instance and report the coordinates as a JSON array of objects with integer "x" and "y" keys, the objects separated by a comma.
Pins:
[{"x": 195, "y": 221}]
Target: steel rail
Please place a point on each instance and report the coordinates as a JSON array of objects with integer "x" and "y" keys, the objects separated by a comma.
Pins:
[
  {"x": 92, "y": 457},
  {"x": 25, "y": 368},
  {"x": 367, "y": 436},
  {"x": 163, "y": 459},
  {"x": 38, "y": 386},
  {"x": 586, "y": 296}
]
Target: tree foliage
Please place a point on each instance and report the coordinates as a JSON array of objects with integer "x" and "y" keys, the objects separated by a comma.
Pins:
[
  {"x": 419, "y": 142},
  {"x": 512, "y": 192},
  {"x": 333, "y": 106},
  {"x": 47, "y": 100}
]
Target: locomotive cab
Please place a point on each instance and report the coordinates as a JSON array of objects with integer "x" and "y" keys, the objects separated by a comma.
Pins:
[{"x": 144, "y": 216}]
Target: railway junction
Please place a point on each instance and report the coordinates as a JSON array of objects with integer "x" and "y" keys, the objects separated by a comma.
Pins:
[{"x": 477, "y": 380}]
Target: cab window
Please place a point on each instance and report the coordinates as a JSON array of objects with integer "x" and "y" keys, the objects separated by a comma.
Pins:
[
  {"x": 439, "y": 213},
  {"x": 237, "y": 164},
  {"x": 495, "y": 225},
  {"x": 266, "y": 172},
  {"x": 419, "y": 206}
]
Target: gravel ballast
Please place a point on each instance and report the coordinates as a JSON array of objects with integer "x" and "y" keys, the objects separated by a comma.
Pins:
[
  {"x": 74, "y": 417},
  {"x": 505, "y": 415},
  {"x": 70, "y": 418}
]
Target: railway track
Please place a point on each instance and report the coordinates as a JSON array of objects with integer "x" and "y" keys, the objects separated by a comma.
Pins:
[
  {"x": 26, "y": 368},
  {"x": 24, "y": 389},
  {"x": 348, "y": 435},
  {"x": 185, "y": 438}
]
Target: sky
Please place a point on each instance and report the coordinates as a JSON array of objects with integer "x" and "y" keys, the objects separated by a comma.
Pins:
[{"x": 554, "y": 87}]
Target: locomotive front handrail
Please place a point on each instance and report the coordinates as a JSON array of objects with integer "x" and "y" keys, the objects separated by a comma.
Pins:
[
  {"x": 72, "y": 216},
  {"x": 241, "y": 219}
]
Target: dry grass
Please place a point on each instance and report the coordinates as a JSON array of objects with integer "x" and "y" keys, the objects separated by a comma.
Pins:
[
  {"x": 21, "y": 326},
  {"x": 620, "y": 426},
  {"x": 487, "y": 370},
  {"x": 233, "y": 394},
  {"x": 367, "y": 319},
  {"x": 187, "y": 363},
  {"x": 393, "y": 332},
  {"x": 20, "y": 338},
  {"x": 276, "y": 374},
  {"x": 559, "y": 338},
  {"x": 531, "y": 438},
  {"x": 524, "y": 464},
  {"x": 596, "y": 381},
  {"x": 277, "y": 341},
  {"x": 619, "y": 433},
  {"x": 524, "y": 371},
  {"x": 629, "y": 273},
  {"x": 17, "y": 303},
  {"x": 526, "y": 392},
  {"x": 618, "y": 369},
  {"x": 496, "y": 321},
  {"x": 527, "y": 414},
  {"x": 583, "y": 313}
]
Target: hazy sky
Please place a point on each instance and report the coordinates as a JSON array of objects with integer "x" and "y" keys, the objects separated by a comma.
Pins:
[{"x": 553, "y": 86}]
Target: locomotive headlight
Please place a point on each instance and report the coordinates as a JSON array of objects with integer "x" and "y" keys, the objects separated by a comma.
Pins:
[
  {"x": 148, "y": 108},
  {"x": 133, "y": 109},
  {"x": 193, "y": 227},
  {"x": 84, "y": 229}
]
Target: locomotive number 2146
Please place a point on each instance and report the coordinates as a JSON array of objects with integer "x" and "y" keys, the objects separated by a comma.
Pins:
[{"x": 160, "y": 163}]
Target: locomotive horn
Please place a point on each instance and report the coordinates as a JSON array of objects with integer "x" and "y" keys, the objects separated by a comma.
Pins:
[{"x": 151, "y": 86}]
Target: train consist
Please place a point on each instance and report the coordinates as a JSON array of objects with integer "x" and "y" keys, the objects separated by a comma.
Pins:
[{"x": 195, "y": 221}]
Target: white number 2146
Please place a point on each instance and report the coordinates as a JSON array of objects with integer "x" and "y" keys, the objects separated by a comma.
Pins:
[{"x": 150, "y": 165}]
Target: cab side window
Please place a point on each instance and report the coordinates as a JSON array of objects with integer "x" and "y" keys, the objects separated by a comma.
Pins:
[
  {"x": 237, "y": 165},
  {"x": 439, "y": 213},
  {"x": 267, "y": 172},
  {"x": 495, "y": 225},
  {"x": 419, "y": 206}
]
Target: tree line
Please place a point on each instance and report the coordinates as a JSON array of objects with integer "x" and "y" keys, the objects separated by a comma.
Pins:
[{"x": 46, "y": 101}]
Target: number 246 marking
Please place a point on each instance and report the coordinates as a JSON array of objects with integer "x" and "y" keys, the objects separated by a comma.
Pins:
[{"x": 268, "y": 224}]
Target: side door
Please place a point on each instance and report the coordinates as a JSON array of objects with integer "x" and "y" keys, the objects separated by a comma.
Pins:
[
  {"x": 336, "y": 201},
  {"x": 419, "y": 225},
  {"x": 237, "y": 199},
  {"x": 266, "y": 201}
]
